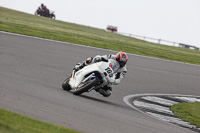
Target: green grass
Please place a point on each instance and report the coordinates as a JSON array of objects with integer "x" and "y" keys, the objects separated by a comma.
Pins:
[
  {"x": 15, "y": 123},
  {"x": 189, "y": 112},
  {"x": 22, "y": 23}
]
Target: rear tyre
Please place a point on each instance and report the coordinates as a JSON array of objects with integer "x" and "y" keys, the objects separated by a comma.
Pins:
[
  {"x": 53, "y": 16},
  {"x": 65, "y": 85},
  {"x": 83, "y": 87}
]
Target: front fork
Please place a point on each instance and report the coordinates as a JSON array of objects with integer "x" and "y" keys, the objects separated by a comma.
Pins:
[{"x": 90, "y": 77}]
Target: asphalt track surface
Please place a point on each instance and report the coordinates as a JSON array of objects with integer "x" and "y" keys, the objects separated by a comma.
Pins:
[{"x": 32, "y": 71}]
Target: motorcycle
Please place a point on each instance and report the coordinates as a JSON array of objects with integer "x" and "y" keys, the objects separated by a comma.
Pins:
[
  {"x": 41, "y": 13},
  {"x": 91, "y": 77}
]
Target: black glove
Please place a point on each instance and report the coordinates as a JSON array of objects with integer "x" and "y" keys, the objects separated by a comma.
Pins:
[
  {"x": 98, "y": 59},
  {"x": 103, "y": 59}
]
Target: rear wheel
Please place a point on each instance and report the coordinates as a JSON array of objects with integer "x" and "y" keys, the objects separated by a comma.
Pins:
[
  {"x": 83, "y": 87},
  {"x": 53, "y": 16},
  {"x": 65, "y": 85}
]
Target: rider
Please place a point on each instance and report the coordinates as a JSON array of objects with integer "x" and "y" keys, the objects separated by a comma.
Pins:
[
  {"x": 45, "y": 10},
  {"x": 120, "y": 57}
]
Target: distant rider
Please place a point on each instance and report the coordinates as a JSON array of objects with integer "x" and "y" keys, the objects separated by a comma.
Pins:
[
  {"x": 120, "y": 57},
  {"x": 45, "y": 10}
]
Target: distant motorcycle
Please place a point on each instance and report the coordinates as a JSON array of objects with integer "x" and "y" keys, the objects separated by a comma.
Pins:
[
  {"x": 91, "y": 77},
  {"x": 41, "y": 13}
]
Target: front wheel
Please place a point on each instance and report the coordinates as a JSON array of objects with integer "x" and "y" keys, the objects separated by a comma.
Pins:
[
  {"x": 65, "y": 85},
  {"x": 83, "y": 87}
]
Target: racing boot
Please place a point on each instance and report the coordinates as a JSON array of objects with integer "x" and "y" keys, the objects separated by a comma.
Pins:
[{"x": 78, "y": 67}]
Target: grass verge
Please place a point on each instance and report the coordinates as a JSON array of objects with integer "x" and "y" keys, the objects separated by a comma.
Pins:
[
  {"x": 14, "y": 123},
  {"x": 22, "y": 23},
  {"x": 189, "y": 112}
]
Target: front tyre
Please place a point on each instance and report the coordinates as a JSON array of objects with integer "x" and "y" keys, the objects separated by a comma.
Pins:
[
  {"x": 65, "y": 85},
  {"x": 83, "y": 87}
]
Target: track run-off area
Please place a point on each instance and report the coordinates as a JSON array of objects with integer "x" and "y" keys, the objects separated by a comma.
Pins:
[
  {"x": 158, "y": 106},
  {"x": 33, "y": 69}
]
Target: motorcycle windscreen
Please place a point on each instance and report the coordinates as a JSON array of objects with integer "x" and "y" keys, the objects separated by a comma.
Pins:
[{"x": 114, "y": 65}]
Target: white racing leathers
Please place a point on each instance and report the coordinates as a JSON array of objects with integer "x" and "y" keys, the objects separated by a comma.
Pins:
[{"x": 120, "y": 72}]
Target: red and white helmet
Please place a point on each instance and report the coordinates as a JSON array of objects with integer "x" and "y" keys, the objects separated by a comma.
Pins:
[{"x": 121, "y": 58}]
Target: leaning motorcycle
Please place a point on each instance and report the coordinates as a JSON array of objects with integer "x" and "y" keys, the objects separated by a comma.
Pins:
[
  {"x": 91, "y": 77},
  {"x": 50, "y": 15}
]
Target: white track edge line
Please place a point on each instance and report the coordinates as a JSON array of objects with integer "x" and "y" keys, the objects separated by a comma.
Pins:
[{"x": 128, "y": 97}]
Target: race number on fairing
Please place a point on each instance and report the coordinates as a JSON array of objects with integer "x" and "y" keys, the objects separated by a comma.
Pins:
[{"x": 109, "y": 71}]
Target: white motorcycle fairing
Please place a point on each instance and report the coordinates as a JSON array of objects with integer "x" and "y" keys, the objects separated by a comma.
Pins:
[{"x": 103, "y": 72}]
